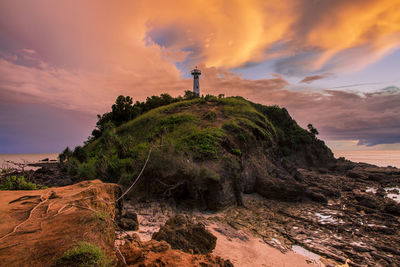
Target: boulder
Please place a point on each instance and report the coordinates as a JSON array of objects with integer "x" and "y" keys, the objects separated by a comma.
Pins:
[
  {"x": 128, "y": 220},
  {"x": 275, "y": 188},
  {"x": 366, "y": 200},
  {"x": 392, "y": 207},
  {"x": 181, "y": 233}
]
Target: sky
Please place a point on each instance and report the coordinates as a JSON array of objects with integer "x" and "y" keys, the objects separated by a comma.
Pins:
[{"x": 334, "y": 64}]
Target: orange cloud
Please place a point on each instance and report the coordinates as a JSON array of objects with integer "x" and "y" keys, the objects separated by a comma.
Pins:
[
  {"x": 92, "y": 51},
  {"x": 230, "y": 34}
]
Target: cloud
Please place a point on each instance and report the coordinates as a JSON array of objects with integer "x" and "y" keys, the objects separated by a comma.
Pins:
[
  {"x": 312, "y": 78},
  {"x": 308, "y": 35},
  {"x": 372, "y": 118},
  {"x": 80, "y": 55}
]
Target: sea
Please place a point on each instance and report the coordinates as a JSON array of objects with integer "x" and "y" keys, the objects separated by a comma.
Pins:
[
  {"x": 382, "y": 158},
  {"x": 9, "y": 160}
]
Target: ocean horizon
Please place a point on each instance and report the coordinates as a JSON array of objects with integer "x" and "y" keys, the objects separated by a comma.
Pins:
[{"x": 381, "y": 158}]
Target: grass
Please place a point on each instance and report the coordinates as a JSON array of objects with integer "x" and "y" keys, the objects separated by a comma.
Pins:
[
  {"x": 205, "y": 143},
  {"x": 99, "y": 216},
  {"x": 210, "y": 116},
  {"x": 119, "y": 153},
  {"x": 19, "y": 183},
  {"x": 83, "y": 255}
]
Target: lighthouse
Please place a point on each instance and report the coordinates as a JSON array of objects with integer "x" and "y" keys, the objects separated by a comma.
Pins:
[{"x": 196, "y": 85}]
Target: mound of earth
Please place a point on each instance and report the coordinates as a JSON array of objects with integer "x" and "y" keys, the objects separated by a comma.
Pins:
[
  {"x": 181, "y": 233},
  {"x": 206, "y": 152},
  {"x": 37, "y": 227}
]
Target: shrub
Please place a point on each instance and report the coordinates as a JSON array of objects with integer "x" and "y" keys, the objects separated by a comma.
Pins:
[
  {"x": 205, "y": 143},
  {"x": 236, "y": 151},
  {"x": 19, "y": 183},
  {"x": 210, "y": 116},
  {"x": 210, "y": 98},
  {"x": 88, "y": 169},
  {"x": 172, "y": 121},
  {"x": 65, "y": 155},
  {"x": 80, "y": 154},
  {"x": 312, "y": 129},
  {"x": 72, "y": 166},
  {"x": 206, "y": 173},
  {"x": 83, "y": 255}
]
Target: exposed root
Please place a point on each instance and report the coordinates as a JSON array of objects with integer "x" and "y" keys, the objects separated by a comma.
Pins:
[
  {"x": 122, "y": 258},
  {"x": 48, "y": 207},
  {"x": 10, "y": 246},
  {"x": 30, "y": 215},
  {"x": 63, "y": 211},
  {"x": 23, "y": 198},
  {"x": 60, "y": 210}
]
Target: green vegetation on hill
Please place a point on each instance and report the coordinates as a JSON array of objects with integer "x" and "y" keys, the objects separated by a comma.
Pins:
[
  {"x": 19, "y": 183},
  {"x": 195, "y": 142},
  {"x": 84, "y": 254}
]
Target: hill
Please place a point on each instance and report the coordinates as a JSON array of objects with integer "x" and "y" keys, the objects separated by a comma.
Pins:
[{"x": 204, "y": 152}]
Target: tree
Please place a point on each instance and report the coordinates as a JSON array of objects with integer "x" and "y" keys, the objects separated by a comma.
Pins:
[
  {"x": 80, "y": 154},
  {"x": 189, "y": 95},
  {"x": 122, "y": 110},
  {"x": 312, "y": 130},
  {"x": 65, "y": 155}
]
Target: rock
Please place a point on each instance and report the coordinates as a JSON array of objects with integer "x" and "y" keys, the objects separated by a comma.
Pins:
[
  {"x": 366, "y": 200},
  {"x": 376, "y": 177},
  {"x": 129, "y": 219},
  {"x": 159, "y": 253},
  {"x": 380, "y": 192},
  {"x": 354, "y": 174},
  {"x": 131, "y": 215},
  {"x": 323, "y": 170},
  {"x": 132, "y": 253},
  {"x": 274, "y": 188},
  {"x": 129, "y": 224},
  {"x": 183, "y": 234},
  {"x": 155, "y": 246},
  {"x": 317, "y": 197},
  {"x": 392, "y": 207}
]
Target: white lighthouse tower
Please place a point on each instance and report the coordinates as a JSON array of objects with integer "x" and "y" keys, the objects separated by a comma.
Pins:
[{"x": 196, "y": 85}]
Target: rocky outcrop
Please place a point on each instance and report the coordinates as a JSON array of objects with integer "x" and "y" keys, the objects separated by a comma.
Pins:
[
  {"x": 37, "y": 227},
  {"x": 160, "y": 253},
  {"x": 358, "y": 221},
  {"x": 128, "y": 219},
  {"x": 205, "y": 164},
  {"x": 181, "y": 233}
]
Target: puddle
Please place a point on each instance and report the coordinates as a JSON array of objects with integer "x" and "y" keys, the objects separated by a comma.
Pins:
[
  {"x": 391, "y": 195},
  {"x": 328, "y": 219},
  {"x": 302, "y": 251},
  {"x": 371, "y": 190}
]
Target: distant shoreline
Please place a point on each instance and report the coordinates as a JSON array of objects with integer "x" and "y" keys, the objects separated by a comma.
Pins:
[{"x": 381, "y": 158}]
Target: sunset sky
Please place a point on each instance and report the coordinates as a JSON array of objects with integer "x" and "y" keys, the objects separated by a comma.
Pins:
[{"x": 335, "y": 64}]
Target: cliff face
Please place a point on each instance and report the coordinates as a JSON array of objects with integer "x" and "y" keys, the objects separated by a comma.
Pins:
[{"x": 207, "y": 152}]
